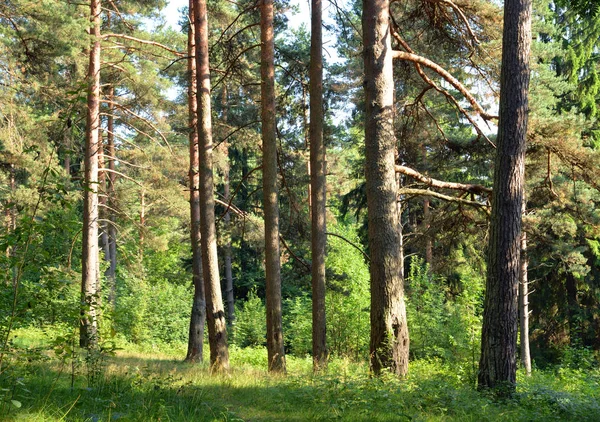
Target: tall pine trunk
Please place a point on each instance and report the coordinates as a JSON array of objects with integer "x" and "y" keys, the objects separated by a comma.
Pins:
[
  {"x": 217, "y": 325},
  {"x": 275, "y": 347},
  {"x": 318, "y": 190},
  {"x": 498, "y": 363},
  {"x": 198, "y": 314},
  {"x": 88, "y": 333},
  {"x": 389, "y": 332}
]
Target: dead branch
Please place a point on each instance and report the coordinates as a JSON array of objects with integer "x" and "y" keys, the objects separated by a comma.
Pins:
[
  {"x": 476, "y": 189},
  {"x": 433, "y": 194},
  {"x": 146, "y": 42}
]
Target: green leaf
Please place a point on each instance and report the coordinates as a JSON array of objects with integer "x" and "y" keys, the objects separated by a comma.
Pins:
[{"x": 16, "y": 403}]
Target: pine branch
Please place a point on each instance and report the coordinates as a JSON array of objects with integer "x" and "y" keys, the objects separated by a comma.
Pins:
[{"x": 471, "y": 188}]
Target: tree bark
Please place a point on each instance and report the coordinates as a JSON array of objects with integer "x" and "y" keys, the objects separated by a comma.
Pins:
[
  {"x": 102, "y": 200},
  {"x": 198, "y": 314},
  {"x": 498, "y": 363},
  {"x": 88, "y": 333},
  {"x": 524, "y": 304},
  {"x": 111, "y": 271},
  {"x": 389, "y": 332},
  {"x": 275, "y": 346},
  {"x": 217, "y": 325},
  {"x": 318, "y": 191},
  {"x": 227, "y": 221}
]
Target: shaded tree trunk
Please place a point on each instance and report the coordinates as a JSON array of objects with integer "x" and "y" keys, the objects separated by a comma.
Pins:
[
  {"x": 217, "y": 325},
  {"x": 318, "y": 191},
  {"x": 498, "y": 363},
  {"x": 111, "y": 201},
  {"x": 227, "y": 220},
  {"x": 572, "y": 308},
  {"x": 275, "y": 347},
  {"x": 102, "y": 199},
  {"x": 198, "y": 315},
  {"x": 389, "y": 332},
  {"x": 88, "y": 333}
]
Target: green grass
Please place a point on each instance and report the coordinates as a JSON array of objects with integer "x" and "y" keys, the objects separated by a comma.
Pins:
[{"x": 150, "y": 384}]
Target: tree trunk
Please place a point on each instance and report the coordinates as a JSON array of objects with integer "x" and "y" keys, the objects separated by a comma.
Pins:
[
  {"x": 389, "y": 332},
  {"x": 572, "y": 308},
  {"x": 498, "y": 363},
  {"x": 217, "y": 326},
  {"x": 102, "y": 200},
  {"x": 88, "y": 334},
  {"x": 317, "y": 190},
  {"x": 198, "y": 316},
  {"x": 142, "y": 228},
  {"x": 427, "y": 220},
  {"x": 524, "y": 304},
  {"x": 275, "y": 347},
  {"x": 227, "y": 221},
  {"x": 111, "y": 271}
]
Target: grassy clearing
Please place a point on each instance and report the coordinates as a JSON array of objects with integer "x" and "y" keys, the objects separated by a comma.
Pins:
[{"x": 154, "y": 385}]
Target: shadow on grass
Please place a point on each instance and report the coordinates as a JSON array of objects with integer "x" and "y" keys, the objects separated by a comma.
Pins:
[{"x": 136, "y": 389}]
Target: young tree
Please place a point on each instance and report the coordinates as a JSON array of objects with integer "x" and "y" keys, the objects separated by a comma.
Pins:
[
  {"x": 498, "y": 363},
  {"x": 198, "y": 315},
  {"x": 389, "y": 332},
  {"x": 524, "y": 302},
  {"x": 111, "y": 179},
  {"x": 88, "y": 335},
  {"x": 318, "y": 190},
  {"x": 217, "y": 326},
  {"x": 275, "y": 347}
]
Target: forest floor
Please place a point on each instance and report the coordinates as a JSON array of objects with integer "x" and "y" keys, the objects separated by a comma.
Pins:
[{"x": 138, "y": 384}]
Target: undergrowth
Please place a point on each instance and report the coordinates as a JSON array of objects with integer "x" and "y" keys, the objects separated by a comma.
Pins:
[{"x": 153, "y": 384}]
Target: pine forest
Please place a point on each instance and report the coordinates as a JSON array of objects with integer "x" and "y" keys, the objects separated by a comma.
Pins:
[{"x": 298, "y": 210}]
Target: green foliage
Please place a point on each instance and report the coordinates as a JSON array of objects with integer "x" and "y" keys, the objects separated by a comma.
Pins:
[
  {"x": 445, "y": 316},
  {"x": 298, "y": 325},
  {"x": 154, "y": 313},
  {"x": 250, "y": 327},
  {"x": 346, "y": 302}
]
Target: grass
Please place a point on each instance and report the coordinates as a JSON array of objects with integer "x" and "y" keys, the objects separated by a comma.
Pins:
[{"x": 152, "y": 384}]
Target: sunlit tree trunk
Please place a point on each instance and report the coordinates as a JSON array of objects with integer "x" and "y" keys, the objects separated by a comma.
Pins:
[
  {"x": 389, "y": 332},
  {"x": 318, "y": 190},
  {"x": 524, "y": 303},
  {"x": 498, "y": 363},
  {"x": 275, "y": 347},
  {"x": 88, "y": 334},
  {"x": 217, "y": 325},
  {"x": 198, "y": 314}
]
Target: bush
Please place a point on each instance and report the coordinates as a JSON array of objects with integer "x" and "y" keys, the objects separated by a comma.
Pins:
[
  {"x": 347, "y": 303},
  {"x": 250, "y": 327},
  {"x": 444, "y": 324},
  {"x": 157, "y": 313}
]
